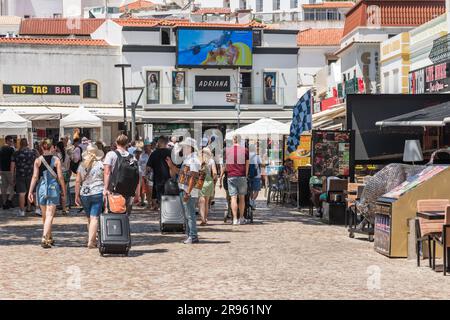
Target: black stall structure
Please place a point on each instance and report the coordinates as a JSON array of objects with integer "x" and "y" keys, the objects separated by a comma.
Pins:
[{"x": 377, "y": 145}]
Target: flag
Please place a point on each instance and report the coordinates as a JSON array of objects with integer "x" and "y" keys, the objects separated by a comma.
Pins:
[{"x": 301, "y": 121}]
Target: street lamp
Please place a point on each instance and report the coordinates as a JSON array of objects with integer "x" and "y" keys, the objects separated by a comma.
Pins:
[{"x": 123, "y": 66}]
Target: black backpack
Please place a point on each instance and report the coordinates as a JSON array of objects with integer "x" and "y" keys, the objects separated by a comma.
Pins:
[
  {"x": 125, "y": 176},
  {"x": 74, "y": 165},
  {"x": 171, "y": 187}
]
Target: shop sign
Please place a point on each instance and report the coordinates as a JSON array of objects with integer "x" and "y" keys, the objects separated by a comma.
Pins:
[
  {"x": 431, "y": 79},
  {"x": 212, "y": 83},
  {"x": 329, "y": 103},
  {"x": 51, "y": 90},
  {"x": 440, "y": 51},
  {"x": 351, "y": 86}
]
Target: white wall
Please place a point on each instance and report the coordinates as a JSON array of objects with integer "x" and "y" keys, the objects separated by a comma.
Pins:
[
  {"x": 35, "y": 8},
  {"x": 70, "y": 65},
  {"x": 310, "y": 61}
]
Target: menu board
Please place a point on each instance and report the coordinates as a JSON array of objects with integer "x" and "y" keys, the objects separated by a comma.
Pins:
[
  {"x": 331, "y": 153},
  {"x": 301, "y": 156},
  {"x": 414, "y": 181}
]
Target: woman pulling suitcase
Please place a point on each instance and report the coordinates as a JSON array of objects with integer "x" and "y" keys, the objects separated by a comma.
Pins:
[
  {"x": 48, "y": 176},
  {"x": 89, "y": 190}
]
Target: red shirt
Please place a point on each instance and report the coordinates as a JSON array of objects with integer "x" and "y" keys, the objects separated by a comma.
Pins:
[{"x": 235, "y": 158}]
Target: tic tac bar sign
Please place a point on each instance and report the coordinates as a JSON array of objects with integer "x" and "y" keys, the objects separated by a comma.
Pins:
[
  {"x": 51, "y": 90},
  {"x": 212, "y": 83}
]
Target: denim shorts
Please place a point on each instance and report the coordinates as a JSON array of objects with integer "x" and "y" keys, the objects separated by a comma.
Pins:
[
  {"x": 48, "y": 197},
  {"x": 92, "y": 205},
  {"x": 255, "y": 184},
  {"x": 237, "y": 186}
]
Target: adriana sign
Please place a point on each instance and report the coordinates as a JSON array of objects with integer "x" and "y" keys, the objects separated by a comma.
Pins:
[{"x": 212, "y": 83}]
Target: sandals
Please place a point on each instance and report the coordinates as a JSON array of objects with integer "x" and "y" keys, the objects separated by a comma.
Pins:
[{"x": 45, "y": 243}]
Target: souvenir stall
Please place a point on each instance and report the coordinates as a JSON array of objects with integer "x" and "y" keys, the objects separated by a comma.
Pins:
[
  {"x": 91, "y": 126},
  {"x": 12, "y": 124},
  {"x": 394, "y": 208},
  {"x": 332, "y": 158}
]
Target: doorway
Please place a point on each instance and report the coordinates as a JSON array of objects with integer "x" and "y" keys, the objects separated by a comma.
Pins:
[{"x": 246, "y": 86}]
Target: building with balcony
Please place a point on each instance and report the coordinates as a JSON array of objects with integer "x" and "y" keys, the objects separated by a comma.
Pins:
[
  {"x": 179, "y": 95},
  {"x": 367, "y": 25},
  {"x": 45, "y": 79}
]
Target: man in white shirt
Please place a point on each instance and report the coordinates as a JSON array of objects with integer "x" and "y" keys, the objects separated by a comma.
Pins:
[{"x": 188, "y": 176}]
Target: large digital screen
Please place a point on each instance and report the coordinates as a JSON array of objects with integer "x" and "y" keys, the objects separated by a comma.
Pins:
[{"x": 214, "y": 48}]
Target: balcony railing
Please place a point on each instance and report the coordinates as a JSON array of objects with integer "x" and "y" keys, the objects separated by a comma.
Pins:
[
  {"x": 169, "y": 95},
  {"x": 261, "y": 95}
]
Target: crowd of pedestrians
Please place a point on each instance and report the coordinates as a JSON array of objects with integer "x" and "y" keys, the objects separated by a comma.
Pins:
[{"x": 136, "y": 171}]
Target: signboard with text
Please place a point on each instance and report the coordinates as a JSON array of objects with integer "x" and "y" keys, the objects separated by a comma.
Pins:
[
  {"x": 28, "y": 89},
  {"x": 212, "y": 83},
  {"x": 431, "y": 79}
]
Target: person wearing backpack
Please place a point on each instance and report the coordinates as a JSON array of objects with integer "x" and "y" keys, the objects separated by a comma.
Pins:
[
  {"x": 89, "y": 189},
  {"x": 121, "y": 173},
  {"x": 75, "y": 158},
  {"x": 48, "y": 177}
]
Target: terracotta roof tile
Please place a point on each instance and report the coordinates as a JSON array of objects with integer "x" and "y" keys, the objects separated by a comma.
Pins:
[
  {"x": 137, "y": 5},
  {"x": 394, "y": 13},
  {"x": 182, "y": 23},
  {"x": 212, "y": 11},
  {"x": 320, "y": 37},
  {"x": 60, "y": 27},
  {"x": 54, "y": 41},
  {"x": 330, "y": 5}
]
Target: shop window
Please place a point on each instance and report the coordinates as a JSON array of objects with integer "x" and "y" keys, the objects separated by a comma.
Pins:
[
  {"x": 90, "y": 90},
  {"x": 165, "y": 36}
]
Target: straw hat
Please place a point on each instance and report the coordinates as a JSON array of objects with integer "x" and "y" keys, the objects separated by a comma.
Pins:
[
  {"x": 189, "y": 142},
  {"x": 93, "y": 151}
]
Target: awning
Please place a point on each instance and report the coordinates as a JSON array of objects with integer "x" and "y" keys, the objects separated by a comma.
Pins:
[
  {"x": 213, "y": 116},
  {"x": 81, "y": 118},
  {"x": 435, "y": 116},
  {"x": 54, "y": 111},
  {"x": 13, "y": 124},
  {"x": 264, "y": 127},
  {"x": 326, "y": 120}
]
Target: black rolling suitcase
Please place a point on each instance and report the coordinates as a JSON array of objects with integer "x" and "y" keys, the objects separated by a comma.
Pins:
[{"x": 114, "y": 234}]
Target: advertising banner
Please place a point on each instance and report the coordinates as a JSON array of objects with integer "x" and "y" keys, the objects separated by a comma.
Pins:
[{"x": 214, "y": 48}]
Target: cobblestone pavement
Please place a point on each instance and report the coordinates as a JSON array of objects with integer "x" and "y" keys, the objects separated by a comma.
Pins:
[{"x": 283, "y": 255}]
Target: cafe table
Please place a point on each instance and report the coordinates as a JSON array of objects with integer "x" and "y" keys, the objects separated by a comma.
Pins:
[{"x": 434, "y": 215}]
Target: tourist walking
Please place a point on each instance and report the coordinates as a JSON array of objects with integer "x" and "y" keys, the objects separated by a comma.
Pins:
[
  {"x": 254, "y": 175},
  {"x": 49, "y": 182},
  {"x": 209, "y": 166},
  {"x": 75, "y": 157},
  {"x": 190, "y": 182},
  {"x": 121, "y": 176},
  {"x": 146, "y": 177},
  {"x": 237, "y": 166},
  {"x": 6, "y": 176},
  {"x": 158, "y": 167},
  {"x": 62, "y": 154},
  {"x": 89, "y": 188},
  {"x": 22, "y": 163}
]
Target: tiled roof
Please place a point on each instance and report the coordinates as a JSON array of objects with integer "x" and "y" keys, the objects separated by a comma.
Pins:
[
  {"x": 394, "y": 13},
  {"x": 54, "y": 41},
  {"x": 320, "y": 37},
  {"x": 212, "y": 11},
  {"x": 330, "y": 5},
  {"x": 60, "y": 27},
  {"x": 7, "y": 20},
  {"x": 137, "y": 5},
  {"x": 182, "y": 23}
]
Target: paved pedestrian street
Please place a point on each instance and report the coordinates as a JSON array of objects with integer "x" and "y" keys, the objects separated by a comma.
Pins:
[{"x": 285, "y": 254}]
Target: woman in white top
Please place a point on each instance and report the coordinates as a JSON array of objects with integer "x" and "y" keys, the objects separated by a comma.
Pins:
[
  {"x": 208, "y": 186},
  {"x": 89, "y": 189}
]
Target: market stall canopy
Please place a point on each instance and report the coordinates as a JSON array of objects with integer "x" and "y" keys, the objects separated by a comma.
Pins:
[
  {"x": 436, "y": 116},
  {"x": 81, "y": 118},
  {"x": 13, "y": 124},
  {"x": 263, "y": 127}
]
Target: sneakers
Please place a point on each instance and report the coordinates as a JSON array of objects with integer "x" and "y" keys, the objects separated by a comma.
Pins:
[
  {"x": 20, "y": 213},
  {"x": 191, "y": 240},
  {"x": 38, "y": 212},
  {"x": 242, "y": 221},
  {"x": 236, "y": 222}
]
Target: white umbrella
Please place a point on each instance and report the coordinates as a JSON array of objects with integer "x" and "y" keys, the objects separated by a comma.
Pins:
[
  {"x": 264, "y": 127},
  {"x": 13, "y": 124}
]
